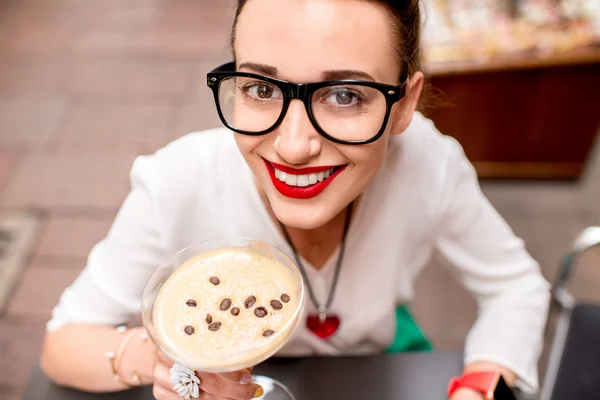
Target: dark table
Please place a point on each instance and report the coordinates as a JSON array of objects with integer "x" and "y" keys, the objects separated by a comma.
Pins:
[{"x": 407, "y": 376}]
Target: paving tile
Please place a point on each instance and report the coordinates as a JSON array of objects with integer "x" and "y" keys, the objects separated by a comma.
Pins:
[
  {"x": 103, "y": 42},
  {"x": 40, "y": 288},
  {"x": 199, "y": 112},
  {"x": 29, "y": 121},
  {"x": 11, "y": 392},
  {"x": 62, "y": 181},
  {"x": 81, "y": 6},
  {"x": 20, "y": 344},
  {"x": 46, "y": 40},
  {"x": 150, "y": 81},
  {"x": 6, "y": 37},
  {"x": 71, "y": 236},
  {"x": 533, "y": 197},
  {"x": 26, "y": 76},
  {"x": 189, "y": 29},
  {"x": 9, "y": 161},
  {"x": 95, "y": 125},
  {"x": 196, "y": 115},
  {"x": 60, "y": 262},
  {"x": 444, "y": 310}
]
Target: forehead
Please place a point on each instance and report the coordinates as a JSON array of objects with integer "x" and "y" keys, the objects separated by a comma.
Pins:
[{"x": 302, "y": 38}]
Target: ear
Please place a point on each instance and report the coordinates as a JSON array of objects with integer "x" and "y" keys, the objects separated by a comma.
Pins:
[{"x": 402, "y": 112}]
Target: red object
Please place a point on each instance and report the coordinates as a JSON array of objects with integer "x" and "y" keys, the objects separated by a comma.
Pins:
[
  {"x": 302, "y": 171},
  {"x": 323, "y": 329},
  {"x": 297, "y": 192},
  {"x": 484, "y": 382}
]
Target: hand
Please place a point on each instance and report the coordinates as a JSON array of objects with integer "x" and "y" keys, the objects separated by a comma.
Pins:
[
  {"x": 467, "y": 394},
  {"x": 227, "y": 386}
]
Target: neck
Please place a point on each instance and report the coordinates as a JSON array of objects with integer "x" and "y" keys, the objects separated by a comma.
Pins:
[
  {"x": 332, "y": 231},
  {"x": 315, "y": 245}
]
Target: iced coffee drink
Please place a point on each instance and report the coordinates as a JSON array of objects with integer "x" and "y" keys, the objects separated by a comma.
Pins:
[{"x": 227, "y": 308}]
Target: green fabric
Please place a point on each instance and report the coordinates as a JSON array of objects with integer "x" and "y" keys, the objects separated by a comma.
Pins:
[{"x": 409, "y": 336}]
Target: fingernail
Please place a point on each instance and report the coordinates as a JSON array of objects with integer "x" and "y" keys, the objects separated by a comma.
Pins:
[
  {"x": 259, "y": 392},
  {"x": 246, "y": 378}
]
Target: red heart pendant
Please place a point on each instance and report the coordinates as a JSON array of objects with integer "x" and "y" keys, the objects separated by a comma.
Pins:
[{"x": 323, "y": 329}]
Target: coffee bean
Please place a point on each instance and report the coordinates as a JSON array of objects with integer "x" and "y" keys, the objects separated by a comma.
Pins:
[
  {"x": 285, "y": 298},
  {"x": 235, "y": 311},
  {"x": 268, "y": 333},
  {"x": 189, "y": 330},
  {"x": 214, "y": 326},
  {"x": 276, "y": 304},
  {"x": 225, "y": 304},
  {"x": 214, "y": 280},
  {"x": 260, "y": 312},
  {"x": 249, "y": 301},
  {"x": 208, "y": 318},
  {"x": 191, "y": 303}
]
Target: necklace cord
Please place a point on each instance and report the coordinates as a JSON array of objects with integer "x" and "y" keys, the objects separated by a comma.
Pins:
[{"x": 337, "y": 266}]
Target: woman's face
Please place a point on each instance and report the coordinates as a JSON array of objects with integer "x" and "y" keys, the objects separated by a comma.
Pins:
[{"x": 310, "y": 41}]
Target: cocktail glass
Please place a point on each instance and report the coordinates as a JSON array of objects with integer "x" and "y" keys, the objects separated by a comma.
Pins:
[{"x": 225, "y": 360}]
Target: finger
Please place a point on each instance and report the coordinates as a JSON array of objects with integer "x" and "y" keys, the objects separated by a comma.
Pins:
[
  {"x": 208, "y": 396},
  {"x": 162, "y": 376},
  {"x": 214, "y": 384},
  {"x": 162, "y": 393},
  {"x": 162, "y": 357},
  {"x": 243, "y": 376}
]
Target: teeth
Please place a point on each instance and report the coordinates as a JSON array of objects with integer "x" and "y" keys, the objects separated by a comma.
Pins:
[
  {"x": 302, "y": 180},
  {"x": 292, "y": 180}
]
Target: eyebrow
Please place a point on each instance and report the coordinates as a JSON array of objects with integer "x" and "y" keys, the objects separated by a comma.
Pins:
[
  {"x": 260, "y": 68},
  {"x": 338, "y": 75},
  {"x": 332, "y": 75}
]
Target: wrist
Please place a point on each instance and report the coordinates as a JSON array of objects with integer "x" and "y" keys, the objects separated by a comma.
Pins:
[
  {"x": 140, "y": 357},
  {"x": 490, "y": 385},
  {"x": 467, "y": 394}
]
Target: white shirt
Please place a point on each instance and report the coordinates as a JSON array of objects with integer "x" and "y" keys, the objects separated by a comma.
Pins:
[{"x": 425, "y": 198}]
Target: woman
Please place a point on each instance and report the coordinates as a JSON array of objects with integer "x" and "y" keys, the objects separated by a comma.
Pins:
[{"x": 295, "y": 175}]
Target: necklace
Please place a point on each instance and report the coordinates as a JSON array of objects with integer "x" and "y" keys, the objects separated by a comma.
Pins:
[{"x": 322, "y": 324}]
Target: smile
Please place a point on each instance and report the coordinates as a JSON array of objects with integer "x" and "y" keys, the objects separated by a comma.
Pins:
[{"x": 302, "y": 183}]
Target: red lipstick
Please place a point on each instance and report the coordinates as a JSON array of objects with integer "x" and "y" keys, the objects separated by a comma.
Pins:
[{"x": 306, "y": 192}]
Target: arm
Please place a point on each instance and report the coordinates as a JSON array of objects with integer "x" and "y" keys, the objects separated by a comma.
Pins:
[
  {"x": 105, "y": 295},
  {"x": 75, "y": 356},
  {"x": 492, "y": 263}
]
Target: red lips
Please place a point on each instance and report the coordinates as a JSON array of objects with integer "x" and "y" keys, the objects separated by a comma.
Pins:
[{"x": 297, "y": 192}]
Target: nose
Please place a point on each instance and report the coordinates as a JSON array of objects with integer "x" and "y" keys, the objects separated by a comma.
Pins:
[{"x": 297, "y": 140}]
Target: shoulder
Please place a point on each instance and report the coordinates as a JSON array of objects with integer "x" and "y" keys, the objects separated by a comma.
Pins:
[
  {"x": 197, "y": 149},
  {"x": 189, "y": 155},
  {"x": 420, "y": 166},
  {"x": 423, "y": 152},
  {"x": 197, "y": 161}
]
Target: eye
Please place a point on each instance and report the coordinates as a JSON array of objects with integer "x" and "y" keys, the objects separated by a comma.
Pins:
[
  {"x": 262, "y": 90},
  {"x": 341, "y": 96}
]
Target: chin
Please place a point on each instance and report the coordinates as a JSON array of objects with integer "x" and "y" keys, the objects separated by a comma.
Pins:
[{"x": 303, "y": 214}]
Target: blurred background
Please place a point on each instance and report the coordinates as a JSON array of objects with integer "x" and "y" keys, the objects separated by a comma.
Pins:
[{"x": 86, "y": 85}]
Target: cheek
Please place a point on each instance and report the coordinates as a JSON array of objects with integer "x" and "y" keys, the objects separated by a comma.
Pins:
[
  {"x": 368, "y": 161},
  {"x": 247, "y": 144}
]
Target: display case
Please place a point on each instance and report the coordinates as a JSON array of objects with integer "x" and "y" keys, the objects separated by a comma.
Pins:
[{"x": 520, "y": 82}]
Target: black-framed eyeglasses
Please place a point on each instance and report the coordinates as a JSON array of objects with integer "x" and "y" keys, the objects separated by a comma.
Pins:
[{"x": 343, "y": 111}]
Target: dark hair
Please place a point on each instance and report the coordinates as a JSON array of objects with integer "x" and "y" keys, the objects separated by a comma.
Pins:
[{"x": 405, "y": 17}]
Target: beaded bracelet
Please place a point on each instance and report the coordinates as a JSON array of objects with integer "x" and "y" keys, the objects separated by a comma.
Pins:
[{"x": 116, "y": 357}]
